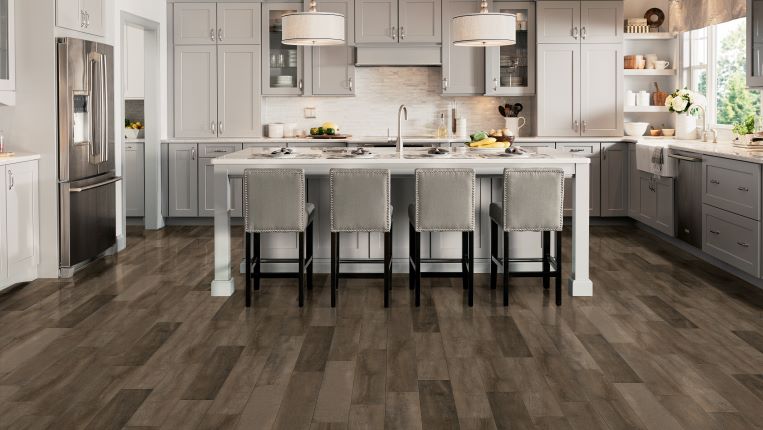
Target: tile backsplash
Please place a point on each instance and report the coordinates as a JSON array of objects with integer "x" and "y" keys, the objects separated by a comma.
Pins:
[
  {"x": 379, "y": 93},
  {"x": 134, "y": 110}
]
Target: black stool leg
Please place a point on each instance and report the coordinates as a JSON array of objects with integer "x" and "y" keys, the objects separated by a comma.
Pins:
[
  {"x": 257, "y": 260},
  {"x": 387, "y": 266},
  {"x": 417, "y": 241},
  {"x": 334, "y": 254},
  {"x": 546, "y": 257},
  {"x": 505, "y": 268},
  {"x": 558, "y": 292},
  {"x": 493, "y": 254},
  {"x": 309, "y": 256},
  {"x": 411, "y": 256},
  {"x": 301, "y": 269},
  {"x": 248, "y": 271},
  {"x": 471, "y": 268},
  {"x": 465, "y": 259}
]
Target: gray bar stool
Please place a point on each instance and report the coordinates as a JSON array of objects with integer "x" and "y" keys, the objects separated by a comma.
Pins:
[
  {"x": 360, "y": 202},
  {"x": 274, "y": 202},
  {"x": 533, "y": 200},
  {"x": 445, "y": 201}
]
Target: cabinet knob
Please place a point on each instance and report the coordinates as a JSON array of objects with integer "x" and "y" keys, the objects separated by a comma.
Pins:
[
  {"x": 715, "y": 232},
  {"x": 220, "y": 127},
  {"x": 743, "y": 244},
  {"x": 445, "y": 84},
  {"x": 402, "y": 32},
  {"x": 583, "y": 33},
  {"x": 585, "y": 124},
  {"x": 575, "y": 32},
  {"x": 394, "y": 33},
  {"x": 715, "y": 181},
  {"x": 745, "y": 189},
  {"x": 193, "y": 153},
  {"x": 576, "y": 126},
  {"x": 214, "y": 128},
  {"x": 495, "y": 84},
  {"x": 219, "y": 34},
  {"x": 349, "y": 81},
  {"x": 212, "y": 34},
  {"x": 300, "y": 84},
  {"x": 11, "y": 180}
]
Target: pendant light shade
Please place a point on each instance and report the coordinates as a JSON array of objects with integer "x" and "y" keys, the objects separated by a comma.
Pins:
[
  {"x": 313, "y": 28},
  {"x": 484, "y": 28}
]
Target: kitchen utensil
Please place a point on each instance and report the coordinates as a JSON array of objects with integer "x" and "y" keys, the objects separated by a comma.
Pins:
[
  {"x": 658, "y": 97},
  {"x": 650, "y": 59},
  {"x": 516, "y": 109},
  {"x": 502, "y": 111},
  {"x": 275, "y": 130},
  {"x": 661, "y": 64},
  {"x": 654, "y": 18},
  {"x": 635, "y": 128}
]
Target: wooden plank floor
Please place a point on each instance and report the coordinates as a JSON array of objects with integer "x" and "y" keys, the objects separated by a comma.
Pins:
[{"x": 136, "y": 341}]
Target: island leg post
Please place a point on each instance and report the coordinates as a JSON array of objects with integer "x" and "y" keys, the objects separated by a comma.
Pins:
[
  {"x": 223, "y": 283},
  {"x": 580, "y": 284}
]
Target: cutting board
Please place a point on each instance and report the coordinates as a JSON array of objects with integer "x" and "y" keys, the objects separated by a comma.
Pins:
[{"x": 331, "y": 136}]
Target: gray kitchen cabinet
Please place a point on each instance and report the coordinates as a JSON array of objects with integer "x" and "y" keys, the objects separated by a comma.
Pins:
[
  {"x": 333, "y": 67},
  {"x": 511, "y": 69},
  {"x": 183, "y": 180},
  {"x": 195, "y": 23},
  {"x": 754, "y": 43},
  {"x": 656, "y": 206},
  {"x": 19, "y": 222},
  {"x": 592, "y": 151},
  {"x": 558, "y": 90},
  {"x": 238, "y": 91},
  {"x": 195, "y": 93},
  {"x": 165, "y": 160},
  {"x": 86, "y": 16},
  {"x": 238, "y": 23},
  {"x": 559, "y": 22},
  {"x": 133, "y": 177},
  {"x": 614, "y": 179},
  {"x": 420, "y": 21},
  {"x": 601, "y": 89},
  {"x": 3, "y": 228},
  {"x": 376, "y": 21},
  {"x": 601, "y": 21},
  {"x": 207, "y": 191},
  {"x": 463, "y": 67},
  {"x": 282, "y": 65},
  {"x": 134, "y": 70},
  {"x": 731, "y": 238},
  {"x": 398, "y": 21},
  {"x": 633, "y": 183},
  {"x": 731, "y": 185}
]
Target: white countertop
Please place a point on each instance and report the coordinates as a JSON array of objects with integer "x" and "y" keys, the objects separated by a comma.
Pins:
[
  {"x": 19, "y": 157},
  {"x": 722, "y": 150}
]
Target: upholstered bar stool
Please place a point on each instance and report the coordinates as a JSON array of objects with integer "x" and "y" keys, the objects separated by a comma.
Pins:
[
  {"x": 360, "y": 202},
  {"x": 444, "y": 202},
  {"x": 274, "y": 202},
  {"x": 533, "y": 200}
]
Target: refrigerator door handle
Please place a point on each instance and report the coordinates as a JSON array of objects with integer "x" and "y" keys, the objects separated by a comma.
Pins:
[
  {"x": 98, "y": 120},
  {"x": 90, "y": 187},
  {"x": 104, "y": 110}
]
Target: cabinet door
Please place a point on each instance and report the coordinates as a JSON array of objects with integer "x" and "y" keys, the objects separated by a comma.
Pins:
[
  {"x": 376, "y": 21},
  {"x": 614, "y": 179},
  {"x": 281, "y": 64},
  {"x": 664, "y": 216},
  {"x": 647, "y": 199},
  {"x": 592, "y": 151},
  {"x": 94, "y": 16},
  {"x": 239, "y": 100},
  {"x": 22, "y": 215},
  {"x": 333, "y": 67},
  {"x": 559, "y": 22},
  {"x": 601, "y": 21},
  {"x": 238, "y": 23},
  {"x": 207, "y": 191},
  {"x": 7, "y": 46},
  {"x": 195, "y": 23},
  {"x": 601, "y": 103},
  {"x": 463, "y": 67},
  {"x": 70, "y": 15},
  {"x": 511, "y": 68},
  {"x": 134, "y": 80},
  {"x": 3, "y": 228},
  {"x": 195, "y": 91},
  {"x": 420, "y": 21},
  {"x": 559, "y": 90},
  {"x": 634, "y": 184},
  {"x": 183, "y": 180},
  {"x": 133, "y": 179}
]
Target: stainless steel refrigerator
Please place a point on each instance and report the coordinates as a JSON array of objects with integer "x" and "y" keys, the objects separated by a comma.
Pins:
[{"x": 86, "y": 175}]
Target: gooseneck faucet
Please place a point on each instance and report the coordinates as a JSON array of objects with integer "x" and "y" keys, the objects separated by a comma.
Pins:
[{"x": 402, "y": 113}]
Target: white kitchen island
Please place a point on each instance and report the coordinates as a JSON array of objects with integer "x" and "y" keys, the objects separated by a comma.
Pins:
[{"x": 317, "y": 163}]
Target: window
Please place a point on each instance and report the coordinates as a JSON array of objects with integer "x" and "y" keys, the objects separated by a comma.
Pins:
[{"x": 714, "y": 65}]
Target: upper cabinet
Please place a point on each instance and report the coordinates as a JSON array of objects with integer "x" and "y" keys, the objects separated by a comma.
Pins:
[
  {"x": 511, "y": 69},
  {"x": 7, "y": 53},
  {"x": 333, "y": 67},
  {"x": 282, "y": 65},
  {"x": 217, "y": 23},
  {"x": 755, "y": 43},
  {"x": 463, "y": 67},
  {"x": 580, "y": 22},
  {"x": 398, "y": 21},
  {"x": 134, "y": 79},
  {"x": 86, "y": 16}
]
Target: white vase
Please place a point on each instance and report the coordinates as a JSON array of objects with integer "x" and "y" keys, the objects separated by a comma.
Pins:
[{"x": 686, "y": 126}]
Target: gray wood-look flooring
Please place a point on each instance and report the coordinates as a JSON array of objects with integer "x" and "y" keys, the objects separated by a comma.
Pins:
[{"x": 136, "y": 341}]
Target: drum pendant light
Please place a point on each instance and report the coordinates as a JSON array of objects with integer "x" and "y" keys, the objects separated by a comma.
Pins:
[
  {"x": 484, "y": 28},
  {"x": 312, "y": 28}
]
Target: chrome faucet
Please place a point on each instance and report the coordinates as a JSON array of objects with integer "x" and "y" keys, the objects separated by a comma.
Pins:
[
  {"x": 402, "y": 113},
  {"x": 703, "y": 133}
]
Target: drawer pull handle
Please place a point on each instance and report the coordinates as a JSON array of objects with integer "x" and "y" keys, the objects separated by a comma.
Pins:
[
  {"x": 715, "y": 181},
  {"x": 218, "y": 151},
  {"x": 746, "y": 245},
  {"x": 715, "y": 232},
  {"x": 577, "y": 150},
  {"x": 745, "y": 189}
]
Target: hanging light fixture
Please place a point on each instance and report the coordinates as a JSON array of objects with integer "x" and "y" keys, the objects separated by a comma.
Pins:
[
  {"x": 313, "y": 28},
  {"x": 484, "y": 28}
]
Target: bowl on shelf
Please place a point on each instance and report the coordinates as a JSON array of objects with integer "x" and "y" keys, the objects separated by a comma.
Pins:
[
  {"x": 635, "y": 128},
  {"x": 668, "y": 132}
]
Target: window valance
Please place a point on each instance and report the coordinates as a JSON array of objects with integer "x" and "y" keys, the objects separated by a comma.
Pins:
[{"x": 687, "y": 15}]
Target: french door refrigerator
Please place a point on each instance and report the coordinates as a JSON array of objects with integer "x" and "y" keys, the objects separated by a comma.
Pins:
[{"x": 86, "y": 175}]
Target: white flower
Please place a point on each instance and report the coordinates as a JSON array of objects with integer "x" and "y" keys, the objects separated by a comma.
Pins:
[
  {"x": 680, "y": 104},
  {"x": 668, "y": 101}
]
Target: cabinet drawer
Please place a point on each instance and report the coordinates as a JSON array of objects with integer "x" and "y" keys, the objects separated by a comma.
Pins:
[
  {"x": 212, "y": 150},
  {"x": 732, "y": 185},
  {"x": 580, "y": 148},
  {"x": 731, "y": 238}
]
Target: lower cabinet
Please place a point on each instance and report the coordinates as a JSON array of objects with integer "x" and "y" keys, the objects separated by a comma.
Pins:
[
  {"x": 133, "y": 179},
  {"x": 731, "y": 238},
  {"x": 183, "y": 180},
  {"x": 19, "y": 223},
  {"x": 656, "y": 203},
  {"x": 614, "y": 179},
  {"x": 207, "y": 191},
  {"x": 592, "y": 151}
]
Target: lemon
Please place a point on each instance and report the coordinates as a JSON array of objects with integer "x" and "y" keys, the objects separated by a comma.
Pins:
[{"x": 329, "y": 124}]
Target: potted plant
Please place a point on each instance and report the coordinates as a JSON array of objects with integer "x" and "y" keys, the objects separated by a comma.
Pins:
[
  {"x": 745, "y": 130},
  {"x": 684, "y": 104},
  {"x": 133, "y": 129}
]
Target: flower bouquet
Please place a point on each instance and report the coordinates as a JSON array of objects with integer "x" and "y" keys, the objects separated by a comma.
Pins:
[{"x": 685, "y": 103}]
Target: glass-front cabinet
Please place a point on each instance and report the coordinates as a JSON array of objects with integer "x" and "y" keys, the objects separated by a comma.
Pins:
[
  {"x": 282, "y": 67},
  {"x": 7, "y": 47},
  {"x": 510, "y": 70},
  {"x": 755, "y": 43}
]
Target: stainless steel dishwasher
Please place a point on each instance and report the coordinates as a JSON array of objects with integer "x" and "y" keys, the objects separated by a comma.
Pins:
[{"x": 688, "y": 197}]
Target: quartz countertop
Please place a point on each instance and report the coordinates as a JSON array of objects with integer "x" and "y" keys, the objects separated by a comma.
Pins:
[
  {"x": 19, "y": 157},
  {"x": 722, "y": 149}
]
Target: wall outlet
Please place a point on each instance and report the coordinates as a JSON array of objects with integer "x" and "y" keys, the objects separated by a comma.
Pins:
[{"x": 309, "y": 112}]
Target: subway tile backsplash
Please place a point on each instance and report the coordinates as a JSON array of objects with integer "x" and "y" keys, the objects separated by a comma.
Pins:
[{"x": 378, "y": 94}]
